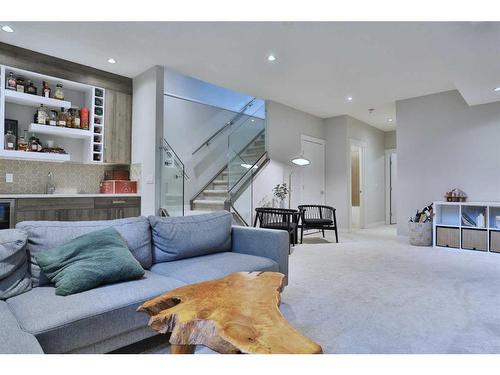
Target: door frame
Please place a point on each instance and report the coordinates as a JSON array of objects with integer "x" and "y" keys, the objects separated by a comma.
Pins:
[
  {"x": 362, "y": 199},
  {"x": 388, "y": 184},
  {"x": 322, "y": 142}
]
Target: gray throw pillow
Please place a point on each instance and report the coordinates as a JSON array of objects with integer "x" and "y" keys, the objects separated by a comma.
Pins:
[
  {"x": 190, "y": 236},
  {"x": 14, "y": 276},
  {"x": 94, "y": 259}
]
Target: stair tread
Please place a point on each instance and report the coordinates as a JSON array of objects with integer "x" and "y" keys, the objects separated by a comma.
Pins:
[
  {"x": 209, "y": 201},
  {"x": 214, "y": 191}
]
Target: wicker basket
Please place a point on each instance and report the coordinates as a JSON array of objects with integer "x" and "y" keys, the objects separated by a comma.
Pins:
[{"x": 420, "y": 234}]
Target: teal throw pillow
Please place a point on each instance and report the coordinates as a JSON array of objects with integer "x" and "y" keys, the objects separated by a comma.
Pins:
[{"x": 88, "y": 261}]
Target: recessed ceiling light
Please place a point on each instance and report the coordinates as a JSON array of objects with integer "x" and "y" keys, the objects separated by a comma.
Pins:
[
  {"x": 111, "y": 60},
  {"x": 349, "y": 98},
  {"x": 390, "y": 120},
  {"x": 271, "y": 57},
  {"x": 496, "y": 89},
  {"x": 7, "y": 29}
]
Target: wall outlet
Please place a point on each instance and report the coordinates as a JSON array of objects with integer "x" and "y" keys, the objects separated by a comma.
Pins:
[{"x": 9, "y": 177}]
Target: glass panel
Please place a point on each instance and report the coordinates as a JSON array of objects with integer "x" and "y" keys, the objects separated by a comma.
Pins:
[
  {"x": 172, "y": 183},
  {"x": 246, "y": 145},
  {"x": 243, "y": 205}
]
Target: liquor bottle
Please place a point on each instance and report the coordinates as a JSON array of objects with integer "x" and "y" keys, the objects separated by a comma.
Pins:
[
  {"x": 84, "y": 118},
  {"x": 46, "y": 89},
  {"x": 41, "y": 115},
  {"x": 10, "y": 141},
  {"x": 58, "y": 92},
  {"x": 11, "y": 82},
  {"x": 76, "y": 119},
  {"x": 31, "y": 89},
  {"x": 61, "y": 118},
  {"x": 20, "y": 84}
]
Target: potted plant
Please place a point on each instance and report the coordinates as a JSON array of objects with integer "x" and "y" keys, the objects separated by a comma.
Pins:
[{"x": 281, "y": 191}]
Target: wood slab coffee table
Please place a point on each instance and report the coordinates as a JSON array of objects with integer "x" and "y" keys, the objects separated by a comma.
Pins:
[{"x": 236, "y": 314}]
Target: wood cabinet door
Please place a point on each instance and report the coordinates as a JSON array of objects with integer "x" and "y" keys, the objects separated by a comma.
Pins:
[
  {"x": 36, "y": 215},
  {"x": 131, "y": 211},
  {"x": 78, "y": 215},
  {"x": 117, "y": 127}
]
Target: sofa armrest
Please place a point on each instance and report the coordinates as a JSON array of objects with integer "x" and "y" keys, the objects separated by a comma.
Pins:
[
  {"x": 16, "y": 341},
  {"x": 268, "y": 243},
  {"x": 13, "y": 340}
]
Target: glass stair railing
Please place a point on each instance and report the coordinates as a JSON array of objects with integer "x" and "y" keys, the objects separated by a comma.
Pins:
[
  {"x": 246, "y": 156},
  {"x": 173, "y": 176},
  {"x": 222, "y": 166}
]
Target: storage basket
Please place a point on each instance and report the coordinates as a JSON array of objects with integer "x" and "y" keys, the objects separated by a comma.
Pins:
[{"x": 420, "y": 234}]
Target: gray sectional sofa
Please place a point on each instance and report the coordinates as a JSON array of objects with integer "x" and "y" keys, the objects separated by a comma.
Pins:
[{"x": 173, "y": 251}]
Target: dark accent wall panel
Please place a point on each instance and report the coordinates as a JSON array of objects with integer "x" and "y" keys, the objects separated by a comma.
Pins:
[{"x": 38, "y": 62}]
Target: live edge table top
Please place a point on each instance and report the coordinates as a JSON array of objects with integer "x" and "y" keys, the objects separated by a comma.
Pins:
[{"x": 236, "y": 314}]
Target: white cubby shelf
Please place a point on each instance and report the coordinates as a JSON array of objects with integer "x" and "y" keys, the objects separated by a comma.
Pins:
[
  {"x": 78, "y": 143},
  {"x": 451, "y": 230}
]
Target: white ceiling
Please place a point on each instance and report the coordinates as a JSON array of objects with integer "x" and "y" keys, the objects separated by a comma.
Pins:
[{"x": 318, "y": 64}]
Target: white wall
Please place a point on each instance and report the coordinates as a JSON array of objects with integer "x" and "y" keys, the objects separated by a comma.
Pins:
[
  {"x": 444, "y": 144},
  {"x": 189, "y": 123},
  {"x": 374, "y": 168},
  {"x": 337, "y": 164},
  {"x": 186, "y": 126},
  {"x": 339, "y": 130},
  {"x": 390, "y": 140},
  {"x": 284, "y": 127},
  {"x": 273, "y": 174},
  {"x": 147, "y": 122}
]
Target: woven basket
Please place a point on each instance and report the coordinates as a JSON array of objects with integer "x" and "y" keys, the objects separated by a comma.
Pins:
[{"x": 420, "y": 234}]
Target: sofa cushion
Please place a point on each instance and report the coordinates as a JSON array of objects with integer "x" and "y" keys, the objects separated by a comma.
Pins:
[
  {"x": 96, "y": 258},
  {"x": 64, "y": 324},
  {"x": 190, "y": 236},
  {"x": 13, "y": 340},
  {"x": 45, "y": 235},
  {"x": 213, "y": 266},
  {"x": 14, "y": 276}
]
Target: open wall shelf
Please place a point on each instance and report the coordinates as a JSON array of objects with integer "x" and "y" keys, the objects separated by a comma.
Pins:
[
  {"x": 81, "y": 145},
  {"x": 34, "y": 101},
  {"x": 460, "y": 226}
]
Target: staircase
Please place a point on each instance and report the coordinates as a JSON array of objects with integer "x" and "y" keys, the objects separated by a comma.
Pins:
[{"x": 212, "y": 197}]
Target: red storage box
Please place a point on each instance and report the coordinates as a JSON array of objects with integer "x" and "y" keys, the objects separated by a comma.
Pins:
[
  {"x": 116, "y": 175},
  {"x": 118, "y": 187}
]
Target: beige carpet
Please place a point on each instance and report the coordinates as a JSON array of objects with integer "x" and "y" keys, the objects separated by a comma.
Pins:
[{"x": 373, "y": 293}]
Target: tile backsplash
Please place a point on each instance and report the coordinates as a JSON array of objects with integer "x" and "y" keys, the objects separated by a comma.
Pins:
[{"x": 30, "y": 177}]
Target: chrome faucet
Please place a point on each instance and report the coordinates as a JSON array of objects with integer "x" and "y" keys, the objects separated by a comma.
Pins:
[{"x": 51, "y": 186}]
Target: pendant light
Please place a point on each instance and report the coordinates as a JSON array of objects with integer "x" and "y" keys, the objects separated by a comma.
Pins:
[{"x": 301, "y": 161}]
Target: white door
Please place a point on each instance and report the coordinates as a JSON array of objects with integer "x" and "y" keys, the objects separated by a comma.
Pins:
[
  {"x": 313, "y": 175},
  {"x": 393, "y": 190}
]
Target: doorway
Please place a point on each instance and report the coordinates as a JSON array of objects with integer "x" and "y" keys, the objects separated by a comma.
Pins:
[
  {"x": 313, "y": 176},
  {"x": 391, "y": 163},
  {"x": 355, "y": 186},
  {"x": 356, "y": 193}
]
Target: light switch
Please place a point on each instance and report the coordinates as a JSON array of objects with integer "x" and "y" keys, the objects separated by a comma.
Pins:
[
  {"x": 9, "y": 177},
  {"x": 149, "y": 179}
]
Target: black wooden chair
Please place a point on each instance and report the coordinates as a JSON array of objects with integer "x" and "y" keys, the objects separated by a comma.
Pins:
[
  {"x": 279, "y": 218},
  {"x": 318, "y": 217}
]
